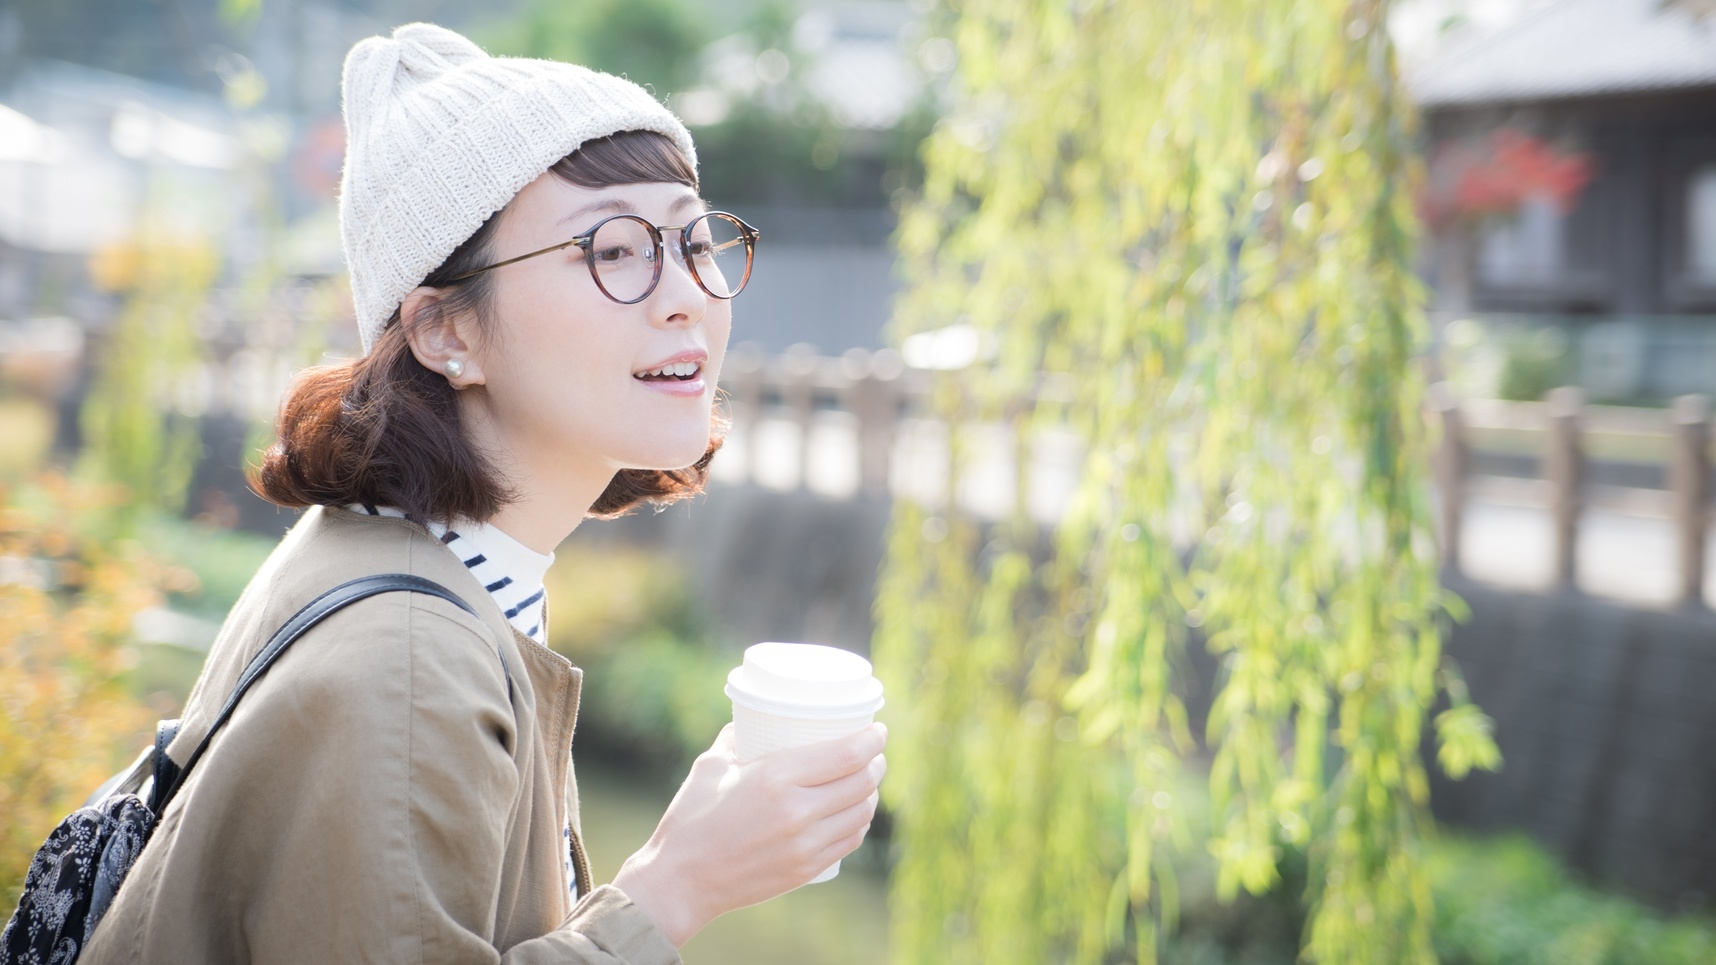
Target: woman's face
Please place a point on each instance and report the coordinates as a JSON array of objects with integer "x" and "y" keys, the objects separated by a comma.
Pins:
[{"x": 568, "y": 383}]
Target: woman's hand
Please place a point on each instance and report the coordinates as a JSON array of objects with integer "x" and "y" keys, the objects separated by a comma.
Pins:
[{"x": 740, "y": 833}]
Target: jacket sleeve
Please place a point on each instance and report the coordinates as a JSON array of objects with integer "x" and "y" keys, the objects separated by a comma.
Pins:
[
  {"x": 605, "y": 928},
  {"x": 395, "y": 847}
]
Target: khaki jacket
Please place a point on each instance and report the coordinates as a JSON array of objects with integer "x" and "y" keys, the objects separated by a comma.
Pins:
[{"x": 377, "y": 796}]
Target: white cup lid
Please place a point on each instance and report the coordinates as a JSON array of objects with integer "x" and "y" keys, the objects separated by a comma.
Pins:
[{"x": 805, "y": 680}]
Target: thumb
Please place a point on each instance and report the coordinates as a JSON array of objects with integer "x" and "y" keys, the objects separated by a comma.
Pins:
[{"x": 723, "y": 742}]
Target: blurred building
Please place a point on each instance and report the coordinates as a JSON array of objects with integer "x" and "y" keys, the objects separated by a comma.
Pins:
[
  {"x": 231, "y": 133},
  {"x": 825, "y": 272},
  {"x": 1572, "y": 189},
  {"x": 86, "y": 148}
]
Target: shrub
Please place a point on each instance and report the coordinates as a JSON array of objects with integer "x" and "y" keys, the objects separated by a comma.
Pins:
[
  {"x": 1504, "y": 901},
  {"x": 67, "y": 601},
  {"x": 627, "y": 617}
]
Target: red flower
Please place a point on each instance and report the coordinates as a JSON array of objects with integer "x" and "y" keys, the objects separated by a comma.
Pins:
[{"x": 1496, "y": 175}]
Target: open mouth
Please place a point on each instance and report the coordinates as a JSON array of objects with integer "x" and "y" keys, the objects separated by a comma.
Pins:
[{"x": 677, "y": 372}]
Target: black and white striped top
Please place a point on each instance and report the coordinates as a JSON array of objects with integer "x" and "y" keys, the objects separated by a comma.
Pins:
[{"x": 509, "y": 570}]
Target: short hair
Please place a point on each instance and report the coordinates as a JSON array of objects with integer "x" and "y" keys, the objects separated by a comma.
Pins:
[{"x": 383, "y": 430}]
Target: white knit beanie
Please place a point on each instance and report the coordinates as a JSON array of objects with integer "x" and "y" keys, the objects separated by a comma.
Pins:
[{"x": 439, "y": 135}]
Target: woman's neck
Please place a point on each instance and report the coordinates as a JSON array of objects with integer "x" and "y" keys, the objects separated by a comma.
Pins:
[
  {"x": 548, "y": 509},
  {"x": 553, "y": 490}
]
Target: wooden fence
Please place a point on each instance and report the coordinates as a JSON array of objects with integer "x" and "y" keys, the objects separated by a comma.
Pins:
[
  {"x": 1560, "y": 455},
  {"x": 1570, "y": 437},
  {"x": 875, "y": 387}
]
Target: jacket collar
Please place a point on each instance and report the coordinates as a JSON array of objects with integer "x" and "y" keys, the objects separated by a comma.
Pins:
[{"x": 555, "y": 684}]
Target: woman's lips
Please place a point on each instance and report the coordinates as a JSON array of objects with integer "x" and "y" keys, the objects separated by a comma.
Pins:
[
  {"x": 680, "y": 375},
  {"x": 683, "y": 388}
]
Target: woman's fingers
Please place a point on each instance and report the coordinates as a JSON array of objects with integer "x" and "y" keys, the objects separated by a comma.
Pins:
[
  {"x": 840, "y": 849},
  {"x": 840, "y": 834},
  {"x": 842, "y": 792},
  {"x": 849, "y": 828},
  {"x": 819, "y": 763},
  {"x": 852, "y": 819}
]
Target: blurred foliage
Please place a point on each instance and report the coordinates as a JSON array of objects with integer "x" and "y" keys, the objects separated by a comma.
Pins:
[
  {"x": 661, "y": 694},
  {"x": 776, "y": 142},
  {"x": 757, "y": 156},
  {"x": 239, "y": 12},
  {"x": 27, "y": 425},
  {"x": 782, "y": 144},
  {"x": 1533, "y": 362},
  {"x": 217, "y": 563},
  {"x": 1499, "y": 901},
  {"x": 655, "y": 43},
  {"x": 68, "y": 595},
  {"x": 221, "y": 560},
  {"x": 136, "y": 432},
  {"x": 164, "y": 675},
  {"x": 1188, "y": 230},
  {"x": 627, "y": 617},
  {"x": 1506, "y": 902}
]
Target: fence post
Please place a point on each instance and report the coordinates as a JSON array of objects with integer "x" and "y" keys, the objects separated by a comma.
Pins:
[
  {"x": 742, "y": 377},
  {"x": 875, "y": 400},
  {"x": 1450, "y": 473},
  {"x": 798, "y": 391},
  {"x": 1689, "y": 488},
  {"x": 1563, "y": 468}
]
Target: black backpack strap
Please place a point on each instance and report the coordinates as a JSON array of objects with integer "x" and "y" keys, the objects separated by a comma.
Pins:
[
  {"x": 166, "y": 772},
  {"x": 313, "y": 613}
]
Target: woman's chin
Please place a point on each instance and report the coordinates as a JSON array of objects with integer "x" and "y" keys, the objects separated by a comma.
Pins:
[{"x": 670, "y": 459}]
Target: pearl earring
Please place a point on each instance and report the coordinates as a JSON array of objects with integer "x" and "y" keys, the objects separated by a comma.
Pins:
[{"x": 455, "y": 368}]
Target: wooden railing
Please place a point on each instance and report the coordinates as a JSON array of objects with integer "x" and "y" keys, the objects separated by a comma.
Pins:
[
  {"x": 1569, "y": 436},
  {"x": 1560, "y": 456},
  {"x": 874, "y": 387}
]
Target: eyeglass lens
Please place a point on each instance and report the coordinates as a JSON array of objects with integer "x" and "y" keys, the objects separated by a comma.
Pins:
[
  {"x": 720, "y": 255},
  {"x": 623, "y": 256}
]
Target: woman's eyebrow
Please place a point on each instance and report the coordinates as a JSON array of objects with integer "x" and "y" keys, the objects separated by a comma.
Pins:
[
  {"x": 622, "y": 206},
  {"x": 612, "y": 206}
]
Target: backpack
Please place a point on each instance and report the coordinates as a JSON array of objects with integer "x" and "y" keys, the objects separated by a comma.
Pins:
[{"x": 77, "y": 872}]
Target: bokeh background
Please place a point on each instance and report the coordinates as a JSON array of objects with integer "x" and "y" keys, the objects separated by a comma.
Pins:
[{"x": 169, "y": 256}]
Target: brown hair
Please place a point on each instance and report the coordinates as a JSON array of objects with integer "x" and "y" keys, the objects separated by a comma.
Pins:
[{"x": 382, "y": 430}]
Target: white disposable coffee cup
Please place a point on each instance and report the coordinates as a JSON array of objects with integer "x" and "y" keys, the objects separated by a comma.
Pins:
[{"x": 792, "y": 694}]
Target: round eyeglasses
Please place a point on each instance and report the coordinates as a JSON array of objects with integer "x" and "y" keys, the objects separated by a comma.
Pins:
[{"x": 624, "y": 254}]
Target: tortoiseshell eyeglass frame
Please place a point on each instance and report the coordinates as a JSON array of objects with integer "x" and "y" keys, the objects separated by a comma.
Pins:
[{"x": 748, "y": 235}]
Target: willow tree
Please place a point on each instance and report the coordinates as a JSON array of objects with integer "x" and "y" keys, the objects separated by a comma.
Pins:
[
  {"x": 138, "y": 430},
  {"x": 1187, "y": 230}
]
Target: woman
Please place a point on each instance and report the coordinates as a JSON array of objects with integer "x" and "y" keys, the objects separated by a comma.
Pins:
[{"x": 544, "y": 305}]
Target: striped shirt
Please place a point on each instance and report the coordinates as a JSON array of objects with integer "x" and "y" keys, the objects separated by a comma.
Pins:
[{"x": 509, "y": 570}]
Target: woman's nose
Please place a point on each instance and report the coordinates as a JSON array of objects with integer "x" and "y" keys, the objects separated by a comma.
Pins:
[{"x": 677, "y": 295}]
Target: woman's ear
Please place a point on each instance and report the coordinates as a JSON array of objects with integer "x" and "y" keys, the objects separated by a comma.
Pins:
[{"x": 442, "y": 341}]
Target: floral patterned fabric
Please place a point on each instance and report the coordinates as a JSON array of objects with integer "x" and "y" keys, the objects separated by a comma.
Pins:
[{"x": 72, "y": 881}]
